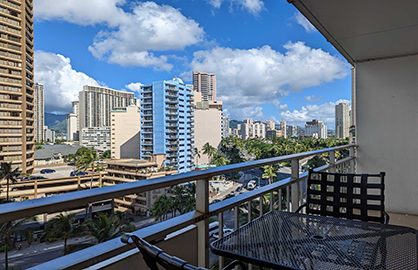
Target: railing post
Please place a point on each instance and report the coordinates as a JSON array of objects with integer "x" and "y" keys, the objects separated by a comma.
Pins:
[
  {"x": 202, "y": 206},
  {"x": 332, "y": 168},
  {"x": 352, "y": 162},
  {"x": 250, "y": 214},
  {"x": 261, "y": 206},
  {"x": 35, "y": 189},
  {"x": 221, "y": 234},
  {"x": 280, "y": 199},
  {"x": 236, "y": 218},
  {"x": 271, "y": 201},
  {"x": 295, "y": 186}
]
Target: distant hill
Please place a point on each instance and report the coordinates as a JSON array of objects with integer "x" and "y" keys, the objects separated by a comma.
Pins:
[
  {"x": 56, "y": 122},
  {"x": 233, "y": 123}
]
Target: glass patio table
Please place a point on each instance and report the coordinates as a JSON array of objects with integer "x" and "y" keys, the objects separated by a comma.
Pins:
[{"x": 285, "y": 240}]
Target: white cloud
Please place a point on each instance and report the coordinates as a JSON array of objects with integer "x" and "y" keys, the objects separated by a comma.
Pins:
[
  {"x": 313, "y": 98},
  {"x": 252, "y": 6},
  {"x": 301, "y": 20},
  {"x": 134, "y": 86},
  {"x": 62, "y": 83},
  {"x": 324, "y": 112},
  {"x": 249, "y": 78},
  {"x": 134, "y": 37},
  {"x": 81, "y": 12}
]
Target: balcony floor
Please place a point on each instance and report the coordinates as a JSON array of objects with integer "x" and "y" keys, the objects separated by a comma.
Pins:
[{"x": 403, "y": 220}]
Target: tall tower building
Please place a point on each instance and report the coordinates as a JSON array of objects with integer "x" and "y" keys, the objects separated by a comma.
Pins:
[
  {"x": 39, "y": 112},
  {"x": 73, "y": 123},
  {"x": 342, "y": 120},
  {"x": 283, "y": 128},
  {"x": 270, "y": 125},
  {"x": 166, "y": 123},
  {"x": 16, "y": 84},
  {"x": 96, "y": 103},
  {"x": 205, "y": 83}
]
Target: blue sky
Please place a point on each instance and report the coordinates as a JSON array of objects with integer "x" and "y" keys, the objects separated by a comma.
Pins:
[{"x": 270, "y": 62}]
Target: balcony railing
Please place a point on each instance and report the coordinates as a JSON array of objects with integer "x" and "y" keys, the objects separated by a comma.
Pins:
[{"x": 110, "y": 252}]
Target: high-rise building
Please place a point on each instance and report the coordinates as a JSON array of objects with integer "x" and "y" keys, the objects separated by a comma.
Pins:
[
  {"x": 283, "y": 128},
  {"x": 16, "y": 84},
  {"x": 126, "y": 127},
  {"x": 270, "y": 125},
  {"x": 205, "y": 83},
  {"x": 292, "y": 131},
  {"x": 225, "y": 127},
  {"x": 166, "y": 122},
  {"x": 316, "y": 129},
  {"x": 250, "y": 129},
  {"x": 342, "y": 120},
  {"x": 208, "y": 126},
  {"x": 39, "y": 112},
  {"x": 73, "y": 123},
  {"x": 97, "y": 137},
  {"x": 49, "y": 134},
  {"x": 96, "y": 102}
]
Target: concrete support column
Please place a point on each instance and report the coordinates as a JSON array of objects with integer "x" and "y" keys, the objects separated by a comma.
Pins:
[
  {"x": 202, "y": 206},
  {"x": 295, "y": 187},
  {"x": 332, "y": 161}
]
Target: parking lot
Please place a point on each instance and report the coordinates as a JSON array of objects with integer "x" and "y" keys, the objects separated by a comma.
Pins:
[{"x": 60, "y": 171}]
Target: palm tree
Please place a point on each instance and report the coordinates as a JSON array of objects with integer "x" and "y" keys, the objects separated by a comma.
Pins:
[
  {"x": 162, "y": 206},
  {"x": 62, "y": 226},
  {"x": 196, "y": 153},
  {"x": 104, "y": 227},
  {"x": 269, "y": 172},
  {"x": 86, "y": 161},
  {"x": 220, "y": 160},
  {"x": 6, "y": 230},
  {"x": 209, "y": 150},
  {"x": 7, "y": 172}
]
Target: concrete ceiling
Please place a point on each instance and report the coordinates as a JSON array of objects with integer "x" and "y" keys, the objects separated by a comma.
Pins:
[{"x": 365, "y": 30}]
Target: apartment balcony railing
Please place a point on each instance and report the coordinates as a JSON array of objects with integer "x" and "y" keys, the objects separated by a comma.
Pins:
[{"x": 113, "y": 253}]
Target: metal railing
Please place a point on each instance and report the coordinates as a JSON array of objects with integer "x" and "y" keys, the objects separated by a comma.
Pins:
[{"x": 200, "y": 217}]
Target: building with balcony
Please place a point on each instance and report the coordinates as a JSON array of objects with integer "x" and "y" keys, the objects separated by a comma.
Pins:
[
  {"x": 166, "y": 122},
  {"x": 270, "y": 125},
  {"x": 316, "y": 129},
  {"x": 96, "y": 102},
  {"x": 121, "y": 171},
  {"x": 97, "y": 137},
  {"x": 49, "y": 134},
  {"x": 342, "y": 120},
  {"x": 125, "y": 129},
  {"x": 39, "y": 112},
  {"x": 16, "y": 84},
  {"x": 205, "y": 83},
  {"x": 226, "y": 130}
]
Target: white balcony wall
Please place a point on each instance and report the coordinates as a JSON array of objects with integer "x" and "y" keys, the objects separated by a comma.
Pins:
[{"x": 387, "y": 127}]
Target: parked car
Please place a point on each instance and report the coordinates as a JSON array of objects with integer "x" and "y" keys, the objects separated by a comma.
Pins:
[
  {"x": 74, "y": 173},
  {"x": 252, "y": 170},
  {"x": 226, "y": 232},
  {"x": 47, "y": 171},
  {"x": 238, "y": 189},
  {"x": 35, "y": 177},
  {"x": 232, "y": 193},
  {"x": 215, "y": 201}
]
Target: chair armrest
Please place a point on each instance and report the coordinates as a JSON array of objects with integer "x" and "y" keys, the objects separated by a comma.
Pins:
[
  {"x": 300, "y": 208},
  {"x": 386, "y": 217},
  {"x": 233, "y": 264}
]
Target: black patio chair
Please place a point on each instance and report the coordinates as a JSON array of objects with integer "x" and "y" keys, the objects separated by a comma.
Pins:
[
  {"x": 153, "y": 255},
  {"x": 351, "y": 196}
]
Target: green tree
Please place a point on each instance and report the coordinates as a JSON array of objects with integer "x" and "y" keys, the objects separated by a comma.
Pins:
[
  {"x": 196, "y": 154},
  {"x": 62, "y": 226},
  {"x": 220, "y": 160},
  {"x": 106, "y": 155},
  {"x": 6, "y": 231},
  {"x": 9, "y": 174},
  {"x": 105, "y": 227},
  {"x": 87, "y": 160},
  {"x": 162, "y": 206},
  {"x": 209, "y": 150},
  {"x": 269, "y": 172}
]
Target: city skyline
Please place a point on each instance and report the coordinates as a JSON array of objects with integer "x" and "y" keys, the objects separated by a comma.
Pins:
[{"x": 78, "y": 44}]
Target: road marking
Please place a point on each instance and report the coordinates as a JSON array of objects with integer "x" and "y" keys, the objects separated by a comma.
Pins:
[
  {"x": 54, "y": 247},
  {"x": 15, "y": 255}
]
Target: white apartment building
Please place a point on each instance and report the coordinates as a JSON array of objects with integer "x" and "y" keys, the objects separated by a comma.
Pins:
[
  {"x": 342, "y": 120},
  {"x": 226, "y": 130},
  {"x": 316, "y": 129},
  {"x": 96, "y": 102},
  {"x": 205, "y": 83},
  {"x": 283, "y": 128},
  {"x": 49, "y": 134},
  {"x": 97, "y": 137},
  {"x": 39, "y": 112},
  {"x": 270, "y": 125},
  {"x": 250, "y": 129},
  {"x": 125, "y": 135},
  {"x": 73, "y": 123}
]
